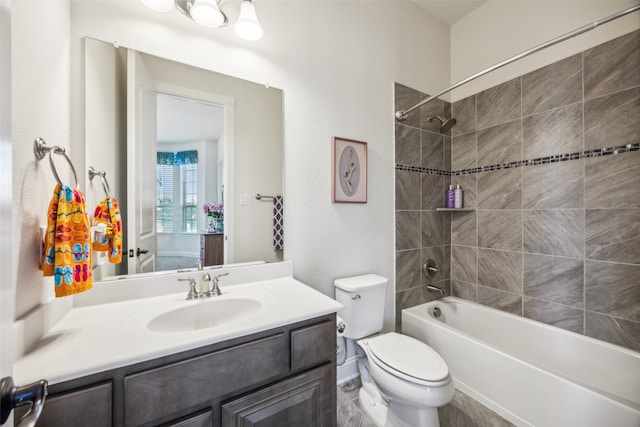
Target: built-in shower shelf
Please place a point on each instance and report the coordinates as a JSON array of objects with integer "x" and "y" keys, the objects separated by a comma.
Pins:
[{"x": 455, "y": 209}]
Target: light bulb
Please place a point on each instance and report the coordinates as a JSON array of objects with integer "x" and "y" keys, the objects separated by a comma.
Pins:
[
  {"x": 207, "y": 13},
  {"x": 159, "y": 5},
  {"x": 248, "y": 27}
]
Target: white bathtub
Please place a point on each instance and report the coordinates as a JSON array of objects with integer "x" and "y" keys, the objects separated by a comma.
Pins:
[{"x": 530, "y": 373}]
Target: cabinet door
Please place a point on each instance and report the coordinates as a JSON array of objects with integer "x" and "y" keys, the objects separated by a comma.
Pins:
[
  {"x": 200, "y": 420},
  {"x": 305, "y": 400},
  {"x": 85, "y": 407}
]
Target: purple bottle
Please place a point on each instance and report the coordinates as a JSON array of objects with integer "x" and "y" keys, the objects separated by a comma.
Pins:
[{"x": 451, "y": 197}]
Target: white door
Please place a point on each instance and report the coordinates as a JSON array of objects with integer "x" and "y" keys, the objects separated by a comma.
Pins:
[
  {"x": 141, "y": 166},
  {"x": 7, "y": 295}
]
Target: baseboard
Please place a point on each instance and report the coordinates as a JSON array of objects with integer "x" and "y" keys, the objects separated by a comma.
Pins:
[{"x": 348, "y": 370}]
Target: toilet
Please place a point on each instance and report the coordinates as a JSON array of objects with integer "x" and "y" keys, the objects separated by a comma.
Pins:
[{"x": 404, "y": 381}]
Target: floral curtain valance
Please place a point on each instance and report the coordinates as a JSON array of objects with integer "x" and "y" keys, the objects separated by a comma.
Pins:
[
  {"x": 187, "y": 157},
  {"x": 180, "y": 158},
  {"x": 164, "y": 158}
]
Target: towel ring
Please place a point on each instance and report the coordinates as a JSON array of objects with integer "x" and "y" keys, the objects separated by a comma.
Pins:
[
  {"x": 103, "y": 177},
  {"x": 40, "y": 149}
]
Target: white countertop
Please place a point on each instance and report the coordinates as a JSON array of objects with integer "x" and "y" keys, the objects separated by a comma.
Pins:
[{"x": 94, "y": 338}]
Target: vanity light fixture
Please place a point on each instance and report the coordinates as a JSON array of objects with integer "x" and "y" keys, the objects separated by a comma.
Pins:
[
  {"x": 208, "y": 14},
  {"x": 247, "y": 27}
]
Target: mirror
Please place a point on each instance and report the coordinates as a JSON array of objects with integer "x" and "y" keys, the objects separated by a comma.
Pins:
[{"x": 137, "y": 105}]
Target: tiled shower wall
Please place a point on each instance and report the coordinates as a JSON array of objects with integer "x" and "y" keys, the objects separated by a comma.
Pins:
[
  {"x": 423, "y": 167},
  {"x": 555, "y": 234}
]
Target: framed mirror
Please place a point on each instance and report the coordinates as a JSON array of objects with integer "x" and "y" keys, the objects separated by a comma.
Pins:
[{"x": 225, "y": 138}]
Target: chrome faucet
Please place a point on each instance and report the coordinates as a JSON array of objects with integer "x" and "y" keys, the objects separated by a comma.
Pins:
[
  {"x": 205, "y": 286},
  {"x": 216, "y": 289}
]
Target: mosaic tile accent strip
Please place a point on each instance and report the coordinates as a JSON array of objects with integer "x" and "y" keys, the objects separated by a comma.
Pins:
[
  {"x": 600, "y": 152},
  {"x": 419, "y": 169}
]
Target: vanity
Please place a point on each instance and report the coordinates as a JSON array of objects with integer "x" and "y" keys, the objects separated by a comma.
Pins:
[{"x": 262, "y": 353}]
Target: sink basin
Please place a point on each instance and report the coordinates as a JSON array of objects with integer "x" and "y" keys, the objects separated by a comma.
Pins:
[{"x": 204, "y": 314}]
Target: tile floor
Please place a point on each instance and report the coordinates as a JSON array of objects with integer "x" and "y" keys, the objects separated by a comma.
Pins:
[
  {"x": 350, "y": 413},
  {"x": 462, "y": 411}
]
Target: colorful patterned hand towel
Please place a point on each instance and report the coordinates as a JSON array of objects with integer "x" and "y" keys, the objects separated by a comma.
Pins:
[
  {"x": 108, "y": 213},
  {"x": 66, "y": 251}
]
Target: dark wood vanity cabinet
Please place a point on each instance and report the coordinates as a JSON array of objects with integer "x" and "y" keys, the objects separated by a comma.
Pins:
[
  {"x": 299, "y": 401},
  {"x": 88, "y": 406},
  {"x": 212, "y": 248},
  {"x": 280, "y": 377}
]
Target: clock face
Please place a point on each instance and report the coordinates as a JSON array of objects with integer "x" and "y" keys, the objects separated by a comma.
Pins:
[{"x": 349, "y": 171}]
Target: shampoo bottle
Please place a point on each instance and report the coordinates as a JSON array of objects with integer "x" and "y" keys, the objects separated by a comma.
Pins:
[
  {"x": 450, "y": 197},
  {"x": 457, "y": 197}
]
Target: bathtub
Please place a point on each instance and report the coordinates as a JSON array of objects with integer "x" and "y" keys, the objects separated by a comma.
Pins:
[{"x": 530, "y": 373}]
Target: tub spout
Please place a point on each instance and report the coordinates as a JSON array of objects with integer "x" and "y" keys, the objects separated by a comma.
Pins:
[{"x": 435, "y": 288}]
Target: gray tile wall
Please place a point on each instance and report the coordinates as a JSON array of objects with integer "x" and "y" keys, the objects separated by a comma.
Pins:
[
  {"x": 421, "y": 232},
  {"x": 557, "y": 242}
]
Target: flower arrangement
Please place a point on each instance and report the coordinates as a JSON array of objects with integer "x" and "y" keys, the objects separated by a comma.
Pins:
[{"x": 215, "y": 210}]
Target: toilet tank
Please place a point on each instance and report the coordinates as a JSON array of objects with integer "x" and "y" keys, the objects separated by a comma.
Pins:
[{"x": 363, "y": 299}]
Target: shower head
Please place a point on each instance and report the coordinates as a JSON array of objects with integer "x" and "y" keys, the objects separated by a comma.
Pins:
[{"x": 445, "y": 124}]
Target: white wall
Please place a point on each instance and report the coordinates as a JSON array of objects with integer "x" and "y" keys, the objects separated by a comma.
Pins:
[
  {"x": 498, "y": 30},
  {"x": 40, "y": 62},
  {"x": 336, "y": 62}
]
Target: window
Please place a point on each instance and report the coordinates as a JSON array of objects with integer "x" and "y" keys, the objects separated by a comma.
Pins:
[
  {"x": 164, "y": 205},
  {"x": 180, "y": 168},
  {"x": 189, "y": 184}
]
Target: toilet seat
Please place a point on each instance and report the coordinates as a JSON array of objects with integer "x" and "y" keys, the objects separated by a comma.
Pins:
[{"x": 409, "y": 359}]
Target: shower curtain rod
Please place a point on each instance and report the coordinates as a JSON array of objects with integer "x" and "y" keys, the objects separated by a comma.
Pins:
[{"x": 401, "y": 115}]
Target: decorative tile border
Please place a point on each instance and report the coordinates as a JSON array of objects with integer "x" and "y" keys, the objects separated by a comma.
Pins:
[
  {"x": 599, "y": 152},
  {"x": 419, "y": 169}
]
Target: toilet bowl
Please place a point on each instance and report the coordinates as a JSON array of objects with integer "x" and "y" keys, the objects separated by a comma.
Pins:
[
  {"x": 411, "y": 377},
  {"x": 404, "y": 381}
]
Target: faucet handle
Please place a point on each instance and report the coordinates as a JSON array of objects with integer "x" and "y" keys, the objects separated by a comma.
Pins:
[
  {"x": 216, "y": 289},
  {"x": 192, "y": 288}
]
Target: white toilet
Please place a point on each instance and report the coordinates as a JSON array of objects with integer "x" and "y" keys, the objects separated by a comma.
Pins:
[{"x": 404, "y": 381}]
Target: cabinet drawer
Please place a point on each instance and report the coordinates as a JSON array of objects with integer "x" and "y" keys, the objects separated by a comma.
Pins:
[
  {"x": 85, "y": 407},
  {"x": 312, "y": 345},
  {"x": 159, "y": 393}
]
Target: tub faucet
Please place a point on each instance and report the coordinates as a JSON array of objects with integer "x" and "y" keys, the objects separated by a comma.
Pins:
[{"x": 435, "y": 288}]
